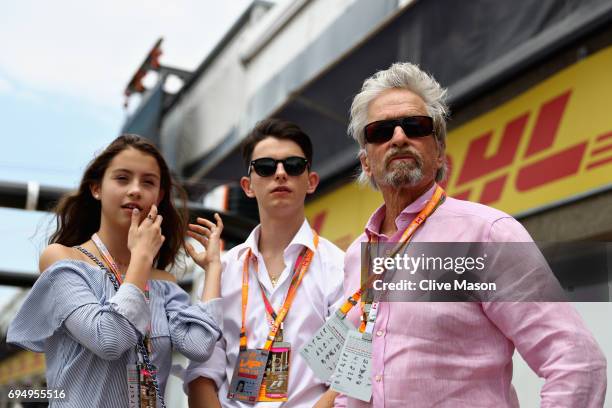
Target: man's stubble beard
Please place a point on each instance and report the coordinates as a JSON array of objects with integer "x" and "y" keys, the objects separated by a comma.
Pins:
[{"x": 403, "y": 174}]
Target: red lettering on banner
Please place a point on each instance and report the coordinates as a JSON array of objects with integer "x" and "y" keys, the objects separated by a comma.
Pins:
[
  {"x": 547, "y": 124},
  {"x": 477, "y": 165},
  {"x": 603, "y": 137},
  {"x": 464, "y": 195},
  {"x": 601, "y": 150},
  {"x": 318, "y": 220},
  {"x": 492, "y": 191},
  {"x": 598, "y": 149},
  {"x": 598, "y": 163},
  {"x": 555, "y": 167}
]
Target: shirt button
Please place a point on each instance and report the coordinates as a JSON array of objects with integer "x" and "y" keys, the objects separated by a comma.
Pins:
[
  {"x": 379, "y": 333},
  {"x": 378, "y": 378}
]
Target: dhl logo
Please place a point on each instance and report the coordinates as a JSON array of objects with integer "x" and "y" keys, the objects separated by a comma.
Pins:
[
  {"x": 548, "y": 144},
  {"x": 540, "y": 163}
]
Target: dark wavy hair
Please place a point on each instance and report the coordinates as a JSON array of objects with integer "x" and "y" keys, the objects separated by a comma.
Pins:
[{"x": 78, "y": 214}]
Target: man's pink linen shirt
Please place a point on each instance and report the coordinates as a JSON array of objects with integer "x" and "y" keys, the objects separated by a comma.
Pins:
[{"x": 460, "y": 354}]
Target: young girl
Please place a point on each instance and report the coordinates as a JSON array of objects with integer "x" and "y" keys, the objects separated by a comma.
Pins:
[{"x": 104, "y": 312}]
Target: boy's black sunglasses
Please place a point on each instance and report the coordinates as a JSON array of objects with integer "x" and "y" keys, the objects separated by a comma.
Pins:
[
  {"x": 413, "y": 126},
  {"x": 266, "y": 166}
]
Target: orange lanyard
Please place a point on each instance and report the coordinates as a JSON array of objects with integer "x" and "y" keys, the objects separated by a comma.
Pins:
[
  {"x": 108, "y": 258},
  {"x": 271, "y": 314},
  {"x": 301, "y": 267},
  {"x": 436, "y": 200},
  {"x": 110, "y": 261}
]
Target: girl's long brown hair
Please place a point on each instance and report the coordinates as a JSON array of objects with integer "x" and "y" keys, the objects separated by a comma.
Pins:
[{"x": 78, "y": 214}]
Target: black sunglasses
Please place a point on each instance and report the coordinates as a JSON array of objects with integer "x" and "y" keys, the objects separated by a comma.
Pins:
[
  {"x": 413, "y": 126},
  {"x": 266, "y": 166}
]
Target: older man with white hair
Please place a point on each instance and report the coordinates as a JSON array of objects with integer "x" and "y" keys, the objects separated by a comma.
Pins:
[{"x": 449, "y": 354}]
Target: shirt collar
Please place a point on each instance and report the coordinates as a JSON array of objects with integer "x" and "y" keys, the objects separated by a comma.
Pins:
[
  {"x": 374, "y": 223},
  {"x": 251, "y": 242},
  {"x": 304, "y": 237}
]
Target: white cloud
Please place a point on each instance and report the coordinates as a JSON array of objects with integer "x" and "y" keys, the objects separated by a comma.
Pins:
[
  {"x": 6, "y": 86},
  {"x": 89, "y": 50},
  {"x": 9, "y": 87},
  {"x": 29, "y": 96}
]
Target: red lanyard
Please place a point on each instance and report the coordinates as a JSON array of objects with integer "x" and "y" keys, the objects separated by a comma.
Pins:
[
  {"x": 436, "y": 200},
  {"x": 299, "y": 270}
]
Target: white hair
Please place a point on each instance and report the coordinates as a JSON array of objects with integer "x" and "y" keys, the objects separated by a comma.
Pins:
[{"x": 401, "y": 75}]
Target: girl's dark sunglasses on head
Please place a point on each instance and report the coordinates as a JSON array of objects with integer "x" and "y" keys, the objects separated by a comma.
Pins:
[
  {"x": 266, "y": 166},
  {"x": 413, "y": 126}
]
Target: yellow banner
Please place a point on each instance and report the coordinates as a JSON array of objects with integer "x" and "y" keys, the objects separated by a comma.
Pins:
[
  {"x": 21, "y": 367},
  {"x": 549, "y": 144}
]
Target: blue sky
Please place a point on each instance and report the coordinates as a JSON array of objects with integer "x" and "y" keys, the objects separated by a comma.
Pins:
[
  {"x": 49, "y": 140},
  {"x": 63, "y": 68}
]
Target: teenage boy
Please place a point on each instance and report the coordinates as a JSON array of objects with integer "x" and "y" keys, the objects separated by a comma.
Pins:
[{"x": 282, "y": 266}]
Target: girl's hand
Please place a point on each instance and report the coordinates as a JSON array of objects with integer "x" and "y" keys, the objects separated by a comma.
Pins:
[
  {"x": 144, "y": 241},
  {"x": 209, "y": 235},
  {"x": 145, "y": 238}
]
